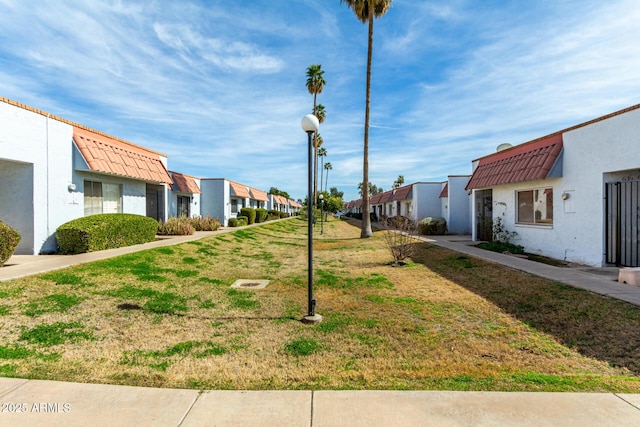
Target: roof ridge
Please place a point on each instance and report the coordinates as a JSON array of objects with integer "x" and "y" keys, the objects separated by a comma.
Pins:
[
  {"x": 74, "y": 124},
  {"x": 569, "y": 129}
]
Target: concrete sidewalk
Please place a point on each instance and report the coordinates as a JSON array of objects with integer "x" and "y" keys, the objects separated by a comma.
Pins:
[
  {"x": 50, "y": 403},
  {"x": 26, "y": 265}
]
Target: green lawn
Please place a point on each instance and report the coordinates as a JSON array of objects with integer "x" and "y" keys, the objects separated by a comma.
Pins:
[{"x": 167, "y": 317}]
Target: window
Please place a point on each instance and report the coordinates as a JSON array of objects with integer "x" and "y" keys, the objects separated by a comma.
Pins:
[
  {"x": 535, "y": 206},
  {"x": 236, "y": 205},
  {"x": 183, "y": 206},
  {"x": 100, "y": 197}
]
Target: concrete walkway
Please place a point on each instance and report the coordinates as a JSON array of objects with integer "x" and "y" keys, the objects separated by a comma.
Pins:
[{"x": 52, "y": 403}]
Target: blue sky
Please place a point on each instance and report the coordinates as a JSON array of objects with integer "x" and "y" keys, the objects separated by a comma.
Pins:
[{"x": 219, "y": 86}]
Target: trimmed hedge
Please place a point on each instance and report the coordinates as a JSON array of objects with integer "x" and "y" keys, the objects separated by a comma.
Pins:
[
  {"x": 250, "y": 213},
  {"x": 242, "y": 221},
  {"x": 261, "y": 214},
  {"x": 233, "y": 222},
  {"x": 9, "y": 239},
  {"x": 105, "y": 231}
]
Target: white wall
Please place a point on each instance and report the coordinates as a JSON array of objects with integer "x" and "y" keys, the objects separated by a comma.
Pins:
[
  {"x": 45, "y": 143},
  {"x": 601, "y": 151},
  {"x": 459, "y": 202},
  {"x": 426, "y": 200},
  {"x": 215, "y": 197}
]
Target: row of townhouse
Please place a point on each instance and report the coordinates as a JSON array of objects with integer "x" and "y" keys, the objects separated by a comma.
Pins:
[
  {"x": 447, "y": 199},
  {"x": 54, "y": 170},
  {"x": 572, "y": 195}
]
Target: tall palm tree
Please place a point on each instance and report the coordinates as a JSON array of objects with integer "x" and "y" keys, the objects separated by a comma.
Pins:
[
  {"x": 315, "y": 84},
  {"x": 327, "y": 167},
  {"x": 320, "y": 113},
  {"x": 398, "y": 182},
  {"x": 366, "y": 11},
  {"x": 322, "y": 152}
]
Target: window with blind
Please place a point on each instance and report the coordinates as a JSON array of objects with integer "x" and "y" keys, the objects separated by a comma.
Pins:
[
  {"x": 535, "y": 206},
  {"x": 101, "y": 197}
]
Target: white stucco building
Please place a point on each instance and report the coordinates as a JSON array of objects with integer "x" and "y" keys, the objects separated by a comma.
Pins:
[
  {"x": 54, "y": 171},
  {"x": 448, "y": 199},
  {"x": 223, "y": 199},
  {"x": 572, "y": 195}
]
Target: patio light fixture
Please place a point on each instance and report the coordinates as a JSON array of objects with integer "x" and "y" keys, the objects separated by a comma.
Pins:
[{"x": 310, "y": 124}]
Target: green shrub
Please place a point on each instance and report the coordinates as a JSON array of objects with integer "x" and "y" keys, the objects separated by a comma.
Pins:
[
  {"x": 250, "y": 213},
  {"x": 501, "y": 247},
  {"x": 205, "y": 223},
  {"x": 242, "y": 221},
  {"x": 261, "y": 215},
  {"x": 284, "y": 215},
  {"x": 105, "y": 231},
  {"x": 432, "y": 225},
  {"x": 273, "y": 214},
  {"x": 175, "y": 227},
  {"x": 9, "y": 239},
  {"x": 233, "y": 222}
]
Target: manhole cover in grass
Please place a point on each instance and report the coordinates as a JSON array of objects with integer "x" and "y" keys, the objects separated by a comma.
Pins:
[
  {"x": 127, "y": 306},
  {"x": 250, "y": 284}
]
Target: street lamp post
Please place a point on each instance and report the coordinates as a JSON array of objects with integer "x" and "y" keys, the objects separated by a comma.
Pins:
[
  {"x": 310, "y": 125},
  {"x": 321, "y": 197}
]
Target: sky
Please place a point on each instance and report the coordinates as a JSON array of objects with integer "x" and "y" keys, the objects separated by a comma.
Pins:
[{"x": 220, "y": 85}]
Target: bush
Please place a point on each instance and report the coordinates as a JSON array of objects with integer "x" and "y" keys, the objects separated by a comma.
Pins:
[
  {"x": 242, "y": 221},
  {"x": 175, "y": 227},
  {"x": 9, "y": 239},
  {"x": 501, "y": 247},
  {"x": 105, "y": 231},
  {"x": 399, "y": 237},
  {"x": 205, "y": 223},
  {"x": 274, "y": 214},
  {"x": 249, "y": 213},
  {"x": 433, "y": 225},
  {"x": 283, "y": 215},
  {"x": 261, "y": 215},
  {"x": 233, "y": 222}
]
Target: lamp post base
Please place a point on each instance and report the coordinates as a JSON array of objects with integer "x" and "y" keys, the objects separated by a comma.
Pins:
[{"x": 316, "y": 318}]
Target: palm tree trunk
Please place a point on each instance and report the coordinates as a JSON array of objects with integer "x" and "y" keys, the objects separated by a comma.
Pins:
[
  {"x": 315, "y": 172},
  {"x": 315, "y": 158},
  {"x": 326, "y": 183},
  {"x": 322, "y": 175},
  {"x": 366, "y": 219}
]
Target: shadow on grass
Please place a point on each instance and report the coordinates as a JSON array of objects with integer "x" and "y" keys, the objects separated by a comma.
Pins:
[{"x": 596, "y": 326}]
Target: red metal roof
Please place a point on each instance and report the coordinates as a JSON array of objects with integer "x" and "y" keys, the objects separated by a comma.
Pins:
[
  {"x": 526, "y": 162},
  {"x": 239, "y": 190},
  {"x": 402, "y": 193},
  {"x": 375, "y": 199},
  {"x": 279, "y": 199},
  {"x": 259, "y": 195},
  {"x": 445, "y": 190},
  {"x": 117, "y": 157},
  {"x": 386, "y": 197},
  {"x": 184, "y": 183}
]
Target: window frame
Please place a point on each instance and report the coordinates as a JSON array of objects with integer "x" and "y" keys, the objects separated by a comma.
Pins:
[
  {"x": 540, "y": 200},
  {"x": 94, "y": 197}
]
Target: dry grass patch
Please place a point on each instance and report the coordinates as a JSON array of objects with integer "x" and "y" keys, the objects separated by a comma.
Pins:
[{"x": 168, "y": 317}]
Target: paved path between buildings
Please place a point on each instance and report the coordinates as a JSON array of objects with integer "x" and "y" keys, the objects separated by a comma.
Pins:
[{"x": 52, "y": 403}]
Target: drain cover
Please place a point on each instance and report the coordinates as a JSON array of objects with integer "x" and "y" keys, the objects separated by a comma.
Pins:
[{"x": 250, "y": 284}]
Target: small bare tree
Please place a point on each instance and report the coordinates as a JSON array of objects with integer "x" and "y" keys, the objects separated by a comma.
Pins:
[{"x": 399, "y": 237}]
